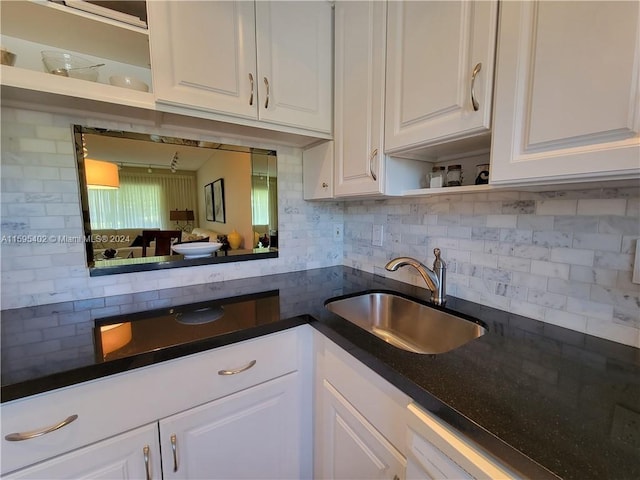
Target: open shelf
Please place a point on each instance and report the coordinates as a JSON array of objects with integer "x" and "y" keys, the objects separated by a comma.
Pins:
[
  {"x": 447, "y": 190},
  {"x": 67, "y": 28}
]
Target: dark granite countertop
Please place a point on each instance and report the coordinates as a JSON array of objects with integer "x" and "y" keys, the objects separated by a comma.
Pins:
[{"x": 542, "y": 398}]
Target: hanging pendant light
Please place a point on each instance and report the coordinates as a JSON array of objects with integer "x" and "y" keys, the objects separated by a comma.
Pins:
[{"x": 101, "y": 174}]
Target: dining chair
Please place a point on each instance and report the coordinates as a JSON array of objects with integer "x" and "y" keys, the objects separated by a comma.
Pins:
[{"x": 163, "y": 238}]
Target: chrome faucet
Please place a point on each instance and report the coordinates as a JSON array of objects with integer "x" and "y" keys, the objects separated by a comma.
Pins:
[{"x": 435, "y": 279}]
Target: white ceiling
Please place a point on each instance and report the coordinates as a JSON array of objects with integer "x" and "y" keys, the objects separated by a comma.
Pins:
[{"x": 145, "y": 153}]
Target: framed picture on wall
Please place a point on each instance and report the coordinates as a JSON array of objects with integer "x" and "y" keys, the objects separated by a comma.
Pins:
[
  {"x": 208, "y": 201},
  {"x": 218, "y": 201}
]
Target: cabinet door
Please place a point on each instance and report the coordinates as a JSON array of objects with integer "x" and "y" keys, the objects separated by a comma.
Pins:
[
  {"x": 203, "y": 55},
  {"x": 360, "y": 36},
  {"x": 433, "y": 49},
  {"x": 352, "y": 447},
  {"x": 317, "y": 171},
  {"x": 131, "y": 455},
  {"x": 295, "y": 63},
  {"x": 567, "y": 96},
  {"x": 252, "y": 434}
]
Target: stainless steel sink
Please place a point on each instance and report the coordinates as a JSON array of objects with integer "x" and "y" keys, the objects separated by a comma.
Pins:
[{"x": 406, "y": 324}]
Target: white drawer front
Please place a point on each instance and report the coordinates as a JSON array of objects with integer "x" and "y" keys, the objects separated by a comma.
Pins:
[{"x": 111, "y": 405}]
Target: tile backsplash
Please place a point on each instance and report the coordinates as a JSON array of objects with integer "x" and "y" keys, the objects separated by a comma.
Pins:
[
  {"x": 562, "y": 257},
  {"x": 40, "y": 197}
]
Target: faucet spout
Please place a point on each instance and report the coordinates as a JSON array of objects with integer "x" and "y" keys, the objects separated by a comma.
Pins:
[{"x": 435, "y": 280}]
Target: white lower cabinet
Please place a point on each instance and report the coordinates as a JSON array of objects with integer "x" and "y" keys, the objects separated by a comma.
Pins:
[
  {"x": 359, "y": 432},
  {"x": 237, "y": 411},
  {"x": 354, "y": 448},
  {"x": 131, "y": 455},
  {"x": 251, "y": 434},
  {"x": 367, "y": 429}
]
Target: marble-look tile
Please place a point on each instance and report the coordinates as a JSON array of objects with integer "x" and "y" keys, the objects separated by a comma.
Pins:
[
  {"x": 514, "y": 264},
  {"x": 566, "y": 320},
  {"x": 573, "y": 256},
  {"x": 531, "y": 281},
  {"x": 619, "y": 225},
  {"x": 601, "y": 206},
  {"x": 535, "y": 222},
  {"x": 552, "y": 239},
  {"x": 568, "y": 223},
  {"x": 596, "y": 276},
  {"x": 550, "y": 269},
  {"x": 589, "y": 309},
  {"x": 628, "y": 317},
  {"x": 556, "y": 207},
  {"x": 547, "y": 299},
  {"x": 502, "y": 221},
  {"x": 519, "y": 207},
  {"x": 613, "y": 261},
  {"x": 597, "y": 241},
  {"x": 570, "y": 288}
]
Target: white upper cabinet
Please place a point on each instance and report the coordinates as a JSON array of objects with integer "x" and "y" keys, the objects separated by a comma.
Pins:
[
  {"x": 204, "y": 55},
  {"x": 266, "y": 61},
  {"x": 440, "y": 65},
  {"x": 295, "y": 64},
  {"x": 567, "y": 96},
  {"x": 360, "y": 36}
]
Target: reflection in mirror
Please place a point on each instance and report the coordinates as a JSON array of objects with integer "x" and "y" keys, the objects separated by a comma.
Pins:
[{"x": 141, "y": 194}]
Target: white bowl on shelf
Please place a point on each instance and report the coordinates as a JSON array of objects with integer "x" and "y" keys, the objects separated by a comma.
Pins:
[
  {"x": 126, "y": 81},
  {"x": 196, "y": 249}
]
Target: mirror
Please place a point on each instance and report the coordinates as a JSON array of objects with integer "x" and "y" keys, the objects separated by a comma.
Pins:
[{"x": 144, "y": 195}]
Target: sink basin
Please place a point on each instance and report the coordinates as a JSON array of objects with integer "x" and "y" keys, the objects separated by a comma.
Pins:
[{"x": 405, "y": 323}]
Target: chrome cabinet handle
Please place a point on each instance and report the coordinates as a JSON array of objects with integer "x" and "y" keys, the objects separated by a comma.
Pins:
[
  {"x": 266, "y": 102},
  {"x": 174, "y": 448},
  {"x": 237, "y": 370},
  {"x": 19, "y": 436},
  {"x": 373, "y": 155},
  {"x": 147, "y": 465},
  {"x": 251, "y": 81},
  {"x": 474, "y": 74}
]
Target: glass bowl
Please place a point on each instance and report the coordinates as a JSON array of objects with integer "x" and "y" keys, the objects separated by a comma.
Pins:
[{"x": 70, "y": 65}]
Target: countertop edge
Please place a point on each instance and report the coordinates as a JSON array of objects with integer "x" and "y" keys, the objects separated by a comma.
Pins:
[{"x": 68, "y": 378}]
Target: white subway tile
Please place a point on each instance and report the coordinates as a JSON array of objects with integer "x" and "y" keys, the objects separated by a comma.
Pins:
[
  {"x": 514, "y": 264},
  {"x": 502, "y": 221},
  {"x": 547, "y": 299},
  {"x": 590, "y": 309},
  {"x": 613, "y": 261},
  {"x": 566, "y": 320},
  {"x": 556, "y": 207},
  {"x": 550, "y": 269},
  {"x": 597, "y": 241},
  {"x": 614, "y": 332},
  {"x": 590, "y": 275},
  {"x": 573, "y": 256},
  {"x": 602, "y": 206}
]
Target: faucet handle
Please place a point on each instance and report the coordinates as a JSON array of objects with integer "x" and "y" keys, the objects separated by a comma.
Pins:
[{"x": 438, "y": 263}]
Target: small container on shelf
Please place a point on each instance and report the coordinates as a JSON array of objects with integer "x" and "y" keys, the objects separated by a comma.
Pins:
[
  {"x": 7, "y": 57},
  {"x": 482, "y": 174},
  {"x": 436, "y": 177},
  {"x": 454, "y": 176}
]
